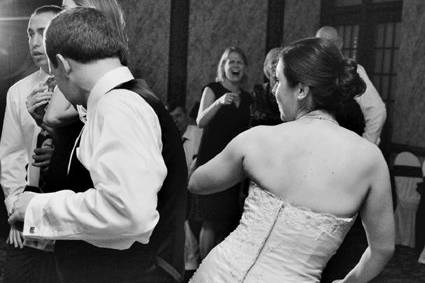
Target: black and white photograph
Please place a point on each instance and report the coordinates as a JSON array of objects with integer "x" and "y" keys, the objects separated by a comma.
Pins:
[{"x": 212, "y": 141}]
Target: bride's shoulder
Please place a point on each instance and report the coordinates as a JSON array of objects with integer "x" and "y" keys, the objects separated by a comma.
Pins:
[
  {"x": 367, "y": 151},
  {"x": 262, "y": 133},
  {"x": 266, "y": 129}
]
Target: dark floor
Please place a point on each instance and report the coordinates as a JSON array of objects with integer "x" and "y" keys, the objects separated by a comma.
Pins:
[{"x": 403, "y": 267}]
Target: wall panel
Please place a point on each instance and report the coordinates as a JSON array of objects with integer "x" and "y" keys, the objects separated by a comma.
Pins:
[
  {"x": 302, "y": 19},
  {"x": 215, "y": 25},
  {"x": 409, "y": 104},
  {"x": 148, "y": 27}
]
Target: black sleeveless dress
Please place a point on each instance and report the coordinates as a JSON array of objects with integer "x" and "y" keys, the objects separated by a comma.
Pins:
[{"x": 228, "y": 122}]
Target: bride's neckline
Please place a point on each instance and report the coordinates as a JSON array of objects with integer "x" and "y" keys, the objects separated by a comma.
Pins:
[
  {"x": 288, "y": 203},
  {"x": 319, "y": 115}
]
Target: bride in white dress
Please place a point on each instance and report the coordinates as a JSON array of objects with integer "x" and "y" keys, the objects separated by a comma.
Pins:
[{"x": 310, "y": 179}]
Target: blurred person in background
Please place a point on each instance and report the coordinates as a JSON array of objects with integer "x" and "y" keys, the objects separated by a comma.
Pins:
[
  {"x": 264, "y": 107},
  {"x": 27, "y": 261},
  {"x": 224, "y": 112},
  {"x": 371, "y": 104},
  {"x": 191, "y": 138},
  {"x": 365, "y": 115}
]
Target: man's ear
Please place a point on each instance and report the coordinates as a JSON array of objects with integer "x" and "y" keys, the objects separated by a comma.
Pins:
[
  {"x": 303, "y": 91},
  {"x": 63, "y": 64}
]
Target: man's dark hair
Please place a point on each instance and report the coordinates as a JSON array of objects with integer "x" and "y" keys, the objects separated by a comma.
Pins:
[
  {"x": 47, "y": 9},
  {"x": 84, "y": 35}
]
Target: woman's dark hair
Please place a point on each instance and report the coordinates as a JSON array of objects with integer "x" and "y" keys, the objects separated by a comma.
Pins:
[{"x": 317, "y": 63}]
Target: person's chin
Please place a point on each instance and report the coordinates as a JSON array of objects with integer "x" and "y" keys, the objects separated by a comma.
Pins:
[
  {"x": 284, "y": 117},
  {"x": 40, "y": 62},
  {"x": 234, "y": 79}
]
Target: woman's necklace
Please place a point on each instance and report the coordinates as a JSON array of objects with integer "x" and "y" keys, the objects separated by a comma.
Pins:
[{"x": 320, "y": 115}]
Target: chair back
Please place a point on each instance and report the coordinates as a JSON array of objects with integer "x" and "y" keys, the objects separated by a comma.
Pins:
[
  {"x": 407, "y": 174},
  {"x": 420, "y": 216}
]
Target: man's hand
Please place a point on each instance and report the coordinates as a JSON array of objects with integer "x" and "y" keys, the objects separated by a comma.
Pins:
[
  {"x": 43, "y": 154},
  {"x": 15, "y": 238},
  {"x": 20, "y": 206},
  {"x": 36, "y": 101}
]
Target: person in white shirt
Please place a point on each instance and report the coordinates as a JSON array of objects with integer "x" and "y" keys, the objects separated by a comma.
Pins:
[
  {"x": 370, "y": 102},
  {"x": 191, "y": 134},
  {"x": 374, "y": 113},
  {"x": 191, "y": 138},
  {"x": 121, "y": 223},
  {"x": 17, "y": 145}
]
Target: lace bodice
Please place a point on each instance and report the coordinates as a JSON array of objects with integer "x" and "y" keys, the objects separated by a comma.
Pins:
[{"x": 275, "y": 242}]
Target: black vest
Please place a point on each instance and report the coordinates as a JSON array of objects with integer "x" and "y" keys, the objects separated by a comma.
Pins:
[{"x": 166, "y": 245}]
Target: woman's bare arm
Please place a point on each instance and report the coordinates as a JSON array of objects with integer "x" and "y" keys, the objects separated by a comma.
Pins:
[
  {"x": 378, "y": 220},
  {"x": 221, "y": 172}
]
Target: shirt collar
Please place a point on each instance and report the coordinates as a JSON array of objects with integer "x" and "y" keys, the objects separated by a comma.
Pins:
[{"x": 107, "y": 82}]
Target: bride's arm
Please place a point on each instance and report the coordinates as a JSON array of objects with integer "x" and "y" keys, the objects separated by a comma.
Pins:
[
  {"x": 378, "y": 220},
  {"x": 221, "y": 172},
  {"x": 60, "y": 111}
]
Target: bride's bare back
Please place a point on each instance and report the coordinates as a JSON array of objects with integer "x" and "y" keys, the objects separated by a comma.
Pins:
[{"x": 313, "y": 163}]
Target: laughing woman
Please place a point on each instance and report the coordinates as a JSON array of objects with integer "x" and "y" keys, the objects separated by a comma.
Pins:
[{"x": 223, "y": 113}]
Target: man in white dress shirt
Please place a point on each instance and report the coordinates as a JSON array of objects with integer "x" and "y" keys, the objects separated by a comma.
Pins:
[
  {"x": 18, "y": 141},
  {"x": 370, "y": 102},
  {"x": 124, "y": 146},
  {"x": 191, "y": 134},
  {"x": 374, "y": 113},
  {"x": 191, "y": 139}
]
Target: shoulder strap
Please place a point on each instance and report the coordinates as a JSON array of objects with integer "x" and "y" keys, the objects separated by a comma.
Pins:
[{"x": 140, "y": 87}]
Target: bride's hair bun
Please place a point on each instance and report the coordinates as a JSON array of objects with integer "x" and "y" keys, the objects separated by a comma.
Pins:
[
  {"x": 333, "y": 80},
  {"x": 348, "y": 81}
]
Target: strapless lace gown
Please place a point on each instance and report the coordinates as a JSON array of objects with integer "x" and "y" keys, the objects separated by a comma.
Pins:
[{"x": 274, "y": 242}]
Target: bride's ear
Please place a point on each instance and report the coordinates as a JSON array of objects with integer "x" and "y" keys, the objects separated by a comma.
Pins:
[{"x": 302, "y": 91}]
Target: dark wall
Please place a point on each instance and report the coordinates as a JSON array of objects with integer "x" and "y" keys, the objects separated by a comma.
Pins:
[
  {"x": 301, "y": 19},
  {"x": 205, "y": 28},
  {"x": 409, "y": 104},
  {"x": 215, "y": 25},
  {"x": 148, "y": 27}
]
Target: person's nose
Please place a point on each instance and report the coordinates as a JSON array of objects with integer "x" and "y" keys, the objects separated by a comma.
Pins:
[
  {"x": 274, "y": 89},
  {"x": 36, "y": 40}
]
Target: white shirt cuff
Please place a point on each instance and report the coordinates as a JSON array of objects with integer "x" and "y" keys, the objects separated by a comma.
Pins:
[
  {"x": 9, "y": 201},
  {"x": 36, "y": 224}
]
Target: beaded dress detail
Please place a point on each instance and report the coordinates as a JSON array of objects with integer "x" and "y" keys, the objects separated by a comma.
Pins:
[{"x": 275, "y": 242}]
